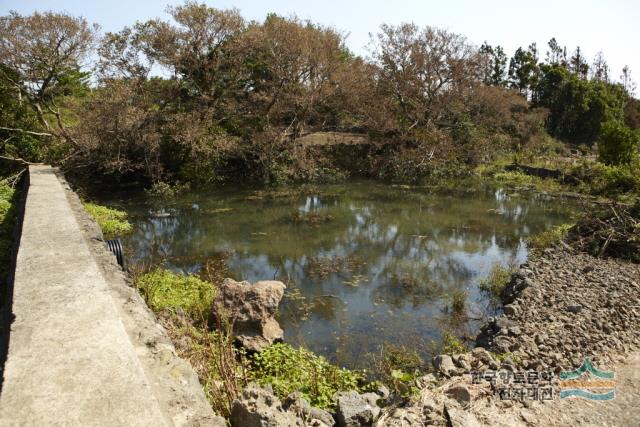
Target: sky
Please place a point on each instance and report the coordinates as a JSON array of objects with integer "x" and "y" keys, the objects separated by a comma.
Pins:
[{"x": 610, "y": 26}]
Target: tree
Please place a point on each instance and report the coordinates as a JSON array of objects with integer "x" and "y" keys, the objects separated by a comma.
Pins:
[
  {"x": 577, "y": 107},
  {"x": 43, "y": 54},
  {"x": 600, "y": 69},
  {"x": 556, "y": 55},
  {"x": 627, "y": 82},
  {"x": 578, "y": 64},
  {"x": 495, "y": 65},
  {"x": 617, "y": 144},
  {"x": 523, "y": 70},
  {"x": 427, "y": 72}
]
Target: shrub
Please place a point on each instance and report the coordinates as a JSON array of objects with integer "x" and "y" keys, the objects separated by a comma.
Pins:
[
  {"x": 163, "y": 289},
  {"x": 617, "y": 144},
  {"x": 458, "y": 299},
  {"x": 8, "y": 197},
  {"x": 452, "y": 345},
  {"x": 288, "y": 369},
  {"x": 112, "y": 221},
  {"x": 538, "y": 242},
  {"x": 497, "y": 280}
]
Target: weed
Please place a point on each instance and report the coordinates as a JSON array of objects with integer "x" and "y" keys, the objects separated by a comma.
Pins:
[
  {"x": 458, "y": 300},
  {"x": 163, "y": 289},
  {"x": 546, "y": 239},
  {"x": 451, "y": 344},
  {"x": 288, "y": 369},
  {"x": 112, "y": 221},
  {"x": 497, "y": 280}
]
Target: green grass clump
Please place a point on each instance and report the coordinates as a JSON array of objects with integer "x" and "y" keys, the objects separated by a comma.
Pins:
[
  {"x": 458, "y": 300},
  {"x": 163, "y": 289},
  {"x": 452, "y": 345},
  {"x": 8, "y": 197},
  {"x": 288, "y": 369},
  {"x": 112, "y": 221},
  {"x": 497, "y": 280},
  {"x": 538, "y": 242}
]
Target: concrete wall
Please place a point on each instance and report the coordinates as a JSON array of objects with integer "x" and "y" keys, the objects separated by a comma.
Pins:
[{"x": 83, "y": 347}]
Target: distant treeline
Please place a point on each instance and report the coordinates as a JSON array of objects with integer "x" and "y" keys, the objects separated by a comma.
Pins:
[{"x": 208, "y": 96}]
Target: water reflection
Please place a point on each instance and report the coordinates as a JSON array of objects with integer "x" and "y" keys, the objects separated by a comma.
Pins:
[{"x": 365, "y": 263}]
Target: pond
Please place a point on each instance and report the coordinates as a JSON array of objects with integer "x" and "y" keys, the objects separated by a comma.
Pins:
[{"x": 366, "y": 264}]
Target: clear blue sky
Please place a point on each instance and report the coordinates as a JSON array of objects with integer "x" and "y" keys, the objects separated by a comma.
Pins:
[{"x": 611, "y": 26}]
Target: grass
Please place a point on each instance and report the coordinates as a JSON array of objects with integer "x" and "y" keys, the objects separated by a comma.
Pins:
[
  {"x": 497, "y": 280},
  {"x": 164, "y": 289},
  {"x": 112, "y": 221},
  {"x": 458, "y": 300},
  {"x": 452, "y": 345},
  {"x": 288, "y": 369},
  {"x": 8, "y": 217},
  {"x": 546, "y": 239}
]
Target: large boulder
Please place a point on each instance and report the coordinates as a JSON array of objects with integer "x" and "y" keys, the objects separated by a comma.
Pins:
[
  {"x": 355, "y": 410},
  {"x": 312, "y": 416},
  {"x": 259, "y": 407},
  {"x": 250, "y": 309}
]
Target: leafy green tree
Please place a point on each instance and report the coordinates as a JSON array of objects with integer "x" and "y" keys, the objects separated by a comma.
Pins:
[
  {"x": 523, "y": 70},
  {"x": 577, "y": 107},
  {"x": 556, "y": 55},
  {"x": 578, "y": 64},
  {"x": 618, "y": 144},
  {"x": 495, "y": 67}
]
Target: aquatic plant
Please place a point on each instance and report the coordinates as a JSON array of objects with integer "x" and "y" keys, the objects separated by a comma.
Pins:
[
  {"x": 541, "y": 241},
  {"x": 112, "y": 221},
  {"x": 458, "y": 300},
  {"x": 451, "y": 344},
  {"x": 288, "y": 369},
  {"x": 497, "y": 280}
]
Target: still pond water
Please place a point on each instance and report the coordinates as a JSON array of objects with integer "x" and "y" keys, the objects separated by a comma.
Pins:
[{"x": 366, "y": 264}]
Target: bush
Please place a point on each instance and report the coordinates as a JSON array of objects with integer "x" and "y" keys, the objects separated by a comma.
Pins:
[
  {"x": 538, "y": 242},
  {"x": 8, "y": 197},
  {"x": 618, "y": 144},
  {"x": 496, "y": 281},
  {"x": 163, "y": 289},
  {"x": 452, "y": 345},
  {"x": 288, "y": 369},
  {"x": 112, "y": 221}
]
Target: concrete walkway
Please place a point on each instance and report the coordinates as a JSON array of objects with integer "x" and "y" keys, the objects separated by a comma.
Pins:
[{"x": 70, "y": 360}]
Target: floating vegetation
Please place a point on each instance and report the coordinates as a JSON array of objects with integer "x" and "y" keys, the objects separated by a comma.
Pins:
[
  {"x": 218, "y": 210},
  {"x": 311, "y": 218},
  {"x": 322, "y": 267},
  {"x": 355, "y": 280}
]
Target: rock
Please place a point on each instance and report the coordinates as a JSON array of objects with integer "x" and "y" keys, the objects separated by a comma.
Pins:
[
  {"x": 460, "y": 393},
  {"x": 574, "y": 308},
  {"x": 383, "y": 391},
  {"x": 510, "y": 310},
  {"x": 402, "y": 417},
  {"x": 462, "y": 361},
  {"x": 356, "y": 410},
  {"x": 259, "y": 407},
  {"x": 312, "y": 416},
  {"x": 443, "y": 364},
  {"x": 250, "y": 308},
  {"x": 459, "y": 417}
]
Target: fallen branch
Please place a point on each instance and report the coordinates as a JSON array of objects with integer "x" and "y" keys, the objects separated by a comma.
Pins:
[{"x": 29, "y": 132}]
